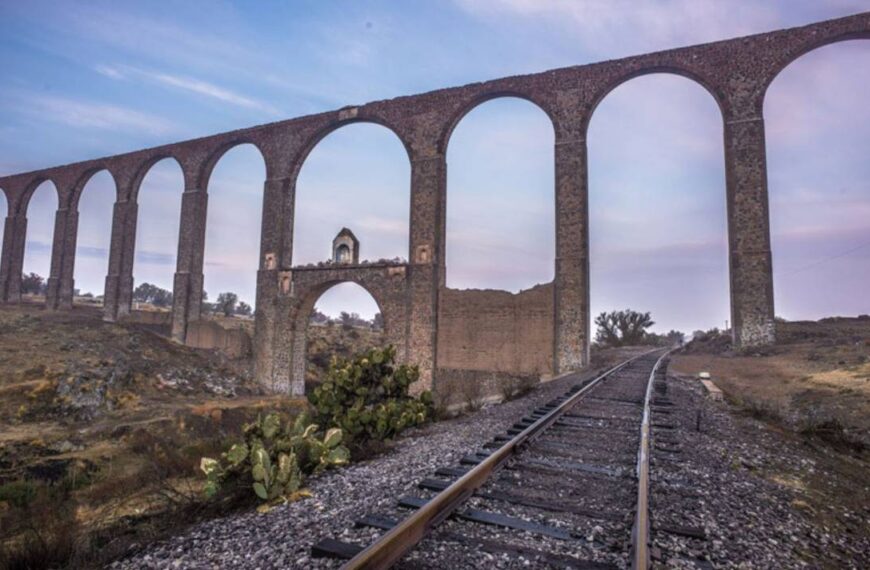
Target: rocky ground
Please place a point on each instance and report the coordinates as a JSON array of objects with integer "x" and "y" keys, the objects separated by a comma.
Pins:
[
  {"x": 102, "y": 425},
  {"x": 764, "y": 497}
]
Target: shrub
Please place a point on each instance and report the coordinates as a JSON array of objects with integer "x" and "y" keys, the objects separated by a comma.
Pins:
[
  {"x": 275, "y": 456},
  {"x": 367, "y": 397}
]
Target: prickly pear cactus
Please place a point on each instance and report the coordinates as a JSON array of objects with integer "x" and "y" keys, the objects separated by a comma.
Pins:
[
  {"x": 367, "y": 397},
  {"x": 275, "y": 457}
]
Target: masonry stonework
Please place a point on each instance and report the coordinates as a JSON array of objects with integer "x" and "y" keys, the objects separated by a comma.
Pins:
[{"x": 416, "y": 305}]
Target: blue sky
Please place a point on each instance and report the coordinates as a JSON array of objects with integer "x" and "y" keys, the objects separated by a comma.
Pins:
[{"x": 88, "y": 79}]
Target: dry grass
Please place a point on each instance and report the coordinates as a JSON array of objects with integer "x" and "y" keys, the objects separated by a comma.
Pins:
[{"x": 817, "y": 381}]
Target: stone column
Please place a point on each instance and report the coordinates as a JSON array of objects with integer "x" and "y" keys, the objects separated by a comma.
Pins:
[
  {"x": 571, "y": 283},
  {"x": 426, "y": 263},
  {"x": 188, "y": 284},
  {"x": 752, "y": 314},
  {"x": 118, "y": 292},
  {"x": 272, "y": 345},
  {"x": 12, "y": 262},
  {"x": 61, "y": 283}
]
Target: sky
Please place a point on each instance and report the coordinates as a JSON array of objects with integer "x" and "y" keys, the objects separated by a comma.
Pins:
[{"x": 90, "y": 79}]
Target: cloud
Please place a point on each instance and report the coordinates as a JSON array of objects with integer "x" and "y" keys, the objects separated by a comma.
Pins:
[
  {"x": 625, "y": 27},
  {"x": 189, "y": 84},
  {"x": 91, "y": 115}
]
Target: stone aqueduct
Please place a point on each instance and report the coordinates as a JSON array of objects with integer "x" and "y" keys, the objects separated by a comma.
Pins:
[{"x": 427, "y": 321}]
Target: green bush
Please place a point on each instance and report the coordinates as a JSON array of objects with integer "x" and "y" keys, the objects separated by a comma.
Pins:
[
  {"x": 275, "y": 456},
  {"x": 367, "y": 397}
]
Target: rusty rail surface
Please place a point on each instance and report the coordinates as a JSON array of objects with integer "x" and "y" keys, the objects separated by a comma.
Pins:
[
  {"x": 402, "y": 538},
  {"x": 640, "y": 556}
]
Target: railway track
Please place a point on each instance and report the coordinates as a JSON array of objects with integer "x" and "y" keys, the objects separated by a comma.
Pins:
[{"x": 566, "y": 487}]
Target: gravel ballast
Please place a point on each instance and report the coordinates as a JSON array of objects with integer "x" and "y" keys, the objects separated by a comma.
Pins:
[{"x": 731, "y": 479}]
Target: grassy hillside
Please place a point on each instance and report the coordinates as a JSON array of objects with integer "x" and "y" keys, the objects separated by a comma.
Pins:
[
  {"x": 101, "y": 430},
  {"x": 816, "y": 379}
]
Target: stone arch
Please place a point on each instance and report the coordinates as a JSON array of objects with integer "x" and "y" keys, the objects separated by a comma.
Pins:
[
  {"x": 46, "y": 218},
  {"x": 238, "y": 208},
  {"x": 610, "y": 86},
  {"x": 624, "y": 164},
  {"x": 217, "y": 154},
  {"x": 92, "y": 224},
  {"x": 819, "y": 200},
  {"x": 23, "y": 202},
  {"x": 323, "y": 132},
  {"x": 803, "y": 50},
  {"x": 397, "y": 181},
  {"x": 471, "y": 105},
  {"x": 387, "y": 285},
  {"x": 540, "y": 192},
  {"x": 82, "y": 182},
  {"x": 148, "y": 248},
  {"x": 144, "y": 168}
]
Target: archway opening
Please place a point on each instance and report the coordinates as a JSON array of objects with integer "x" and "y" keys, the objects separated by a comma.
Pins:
[
  {"x": 657, "y": 208},
  {"x": 159, "y": 211},
  {"x": 357, "y": 177},
  {"x": 232, "y": 236},
  {"x": 500, "y": 198},
  {"x": 818, "y": 141},
  {"x": 345, "y": 320},
  {"x": 95, "y": 207},
  {"x": 41, "y": 211}
]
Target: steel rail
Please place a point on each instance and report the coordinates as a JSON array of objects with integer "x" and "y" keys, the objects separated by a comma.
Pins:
[
  {"x": 640, "y": 556},
  {"x": 403, "y": 537}
]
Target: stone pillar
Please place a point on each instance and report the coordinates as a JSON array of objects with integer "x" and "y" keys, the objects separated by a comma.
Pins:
[
  {"x": 752, "y": 314},
  {"x": 188, "y": 284},
  {"x": 61, "y": 283},
  {"x": 118, "y": 292},
  {"x": 12, "y": 262},
  {"x": 426, "y": 263},
  {"x": 571, "y": 283},
  {"x": 272, "y": 345}
]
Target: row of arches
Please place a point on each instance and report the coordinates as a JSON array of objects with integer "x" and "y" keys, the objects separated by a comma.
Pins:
[{"x": 488, "y": 235}]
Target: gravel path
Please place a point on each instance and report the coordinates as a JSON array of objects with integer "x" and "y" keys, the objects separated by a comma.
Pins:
[
  {"x": 734, "y": 478},
  {"x": 748, "y": 487}
]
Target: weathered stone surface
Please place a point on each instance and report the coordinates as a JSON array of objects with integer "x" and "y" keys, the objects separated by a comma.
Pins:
[{"x": 735, "y": 72}]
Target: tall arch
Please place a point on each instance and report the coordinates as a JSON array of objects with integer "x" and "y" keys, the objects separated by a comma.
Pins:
[
  {"x": 232, "y": 242},
  {"x": 158, "y": 199},
  {"x": 657, "y": 204},
  {"x": 40, "y": 206},
  {"x": 95, "y": 206},
  {"x": 357, "y": 176},
  {"x": 818, "y": 140},
  {"x": 500, "y": 218}
]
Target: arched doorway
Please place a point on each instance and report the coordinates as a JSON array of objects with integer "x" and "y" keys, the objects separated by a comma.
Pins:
[{"x": 344, "y": 321}]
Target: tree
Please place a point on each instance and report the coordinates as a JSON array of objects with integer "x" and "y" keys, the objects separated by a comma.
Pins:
[
  {"x": 226, "y": 303},
  {"x": 33, "y": 284},
  {"x": 148, "y": 293},
  {"x": 346, "y": 320},
  {"x": 244, "y": 309},
  {"x": 378, "y": 322},
  {"x": 622, "y": 328}
]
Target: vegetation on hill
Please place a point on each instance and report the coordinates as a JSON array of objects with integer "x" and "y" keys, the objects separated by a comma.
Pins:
[{"x": 814, "y": 380}]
